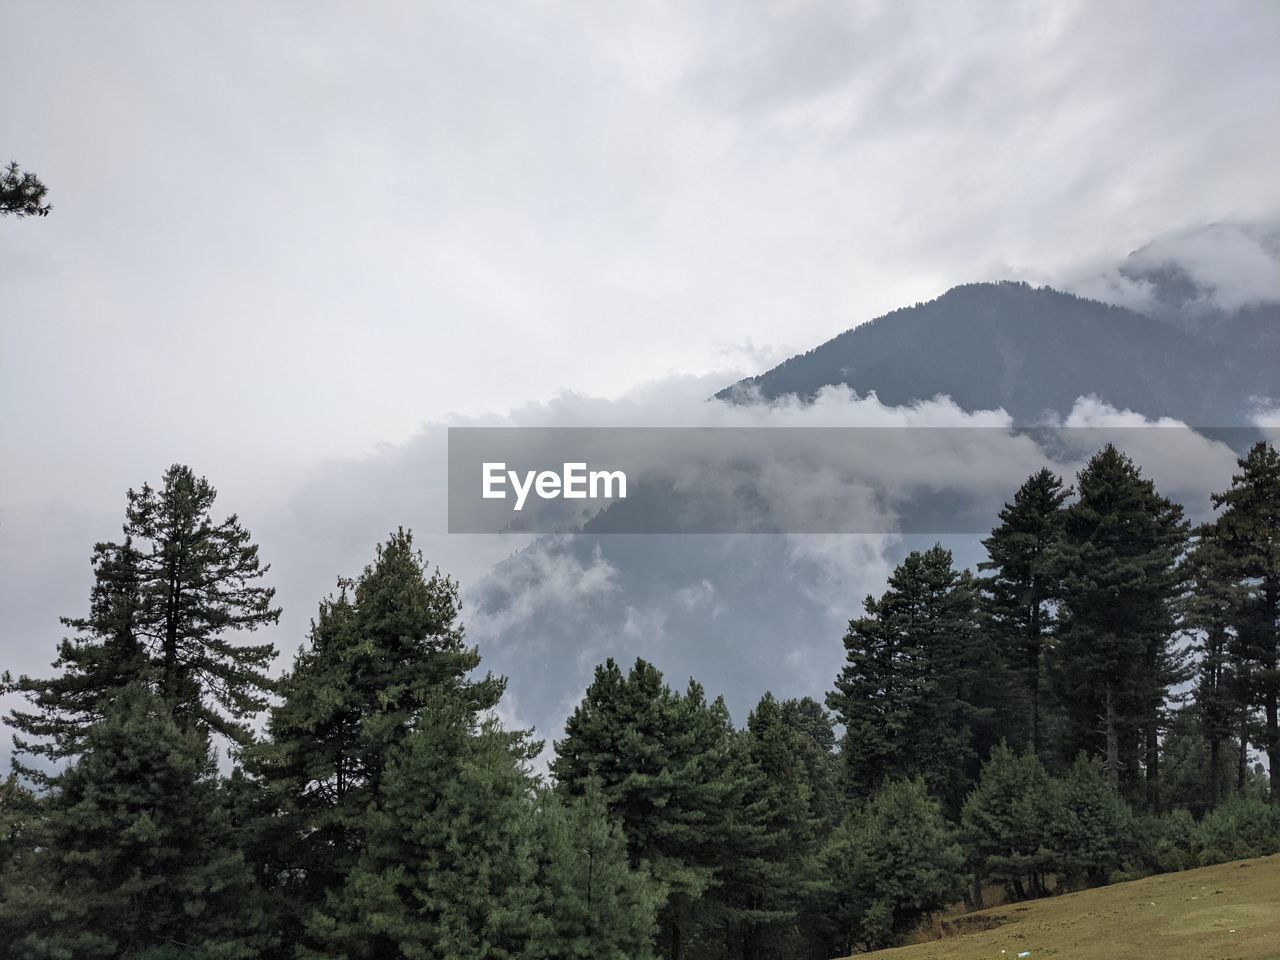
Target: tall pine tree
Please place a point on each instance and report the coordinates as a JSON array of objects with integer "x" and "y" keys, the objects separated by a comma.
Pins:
[
  {"x": 165, "y": 605},
  {"x": 1210, "y": 612},
  {"x": 1249, "y": 525},
  {"x": 129, "y": 857},
  {"x": 1115, "y": 661},
  {"x": 916, "y": 682},
  {"x": 446, "y": 869},
  {"x": 381, "y": 650},
  {"x": 1020, "y": 590},
  {"x": 664, "y": 764}
]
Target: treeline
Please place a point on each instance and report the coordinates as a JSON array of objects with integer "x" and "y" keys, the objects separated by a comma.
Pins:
[{"x": 1085, "y": 706}]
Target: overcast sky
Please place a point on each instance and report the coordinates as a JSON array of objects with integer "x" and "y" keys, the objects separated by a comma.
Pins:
[
  {"x": 288, "y": 231},
  {"x": 285, "y": 234}
]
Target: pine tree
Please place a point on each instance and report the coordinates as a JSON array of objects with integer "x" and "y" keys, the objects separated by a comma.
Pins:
[
  {"x": 129, "y": 858},
  {"x": 764, "y": 881},
  {"x": 1211, "y": 608},
  {"x": 163, "y": 605},
  {"x": 95, "y": 664},
  {"x": 19, "y": 813},
  {"x": 889, "y": 865},
  {"x": 381, "y": 650},
  {"x": 1090, "y": 826},
  {"x": 447, "y": 868},
  {"x": 1249, "y": 526},
  {"x": 1019, "y": 593},
  {"x": 814, "y": 744},
  {"x": 1191, "y": 777},
  {"x": 915, "y": 682},
  {"x": 590, "y": 904},
  {"x": 1006, "y": 822},
  {"x": 1115, "y": 660},
  {"x": 22, "y": 193},
  {"x": 663, "y": 762}
]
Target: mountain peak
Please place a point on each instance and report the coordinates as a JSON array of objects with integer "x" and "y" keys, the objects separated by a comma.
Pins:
[{"x": 1032, "y": 351}]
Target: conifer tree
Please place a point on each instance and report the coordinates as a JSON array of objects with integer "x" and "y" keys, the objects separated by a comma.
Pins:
[
  {"x": 1089, "y": 827},
  {"x": 663, "y": 762},
  {"x": 103, "y": 656},
  {"x": 888, "y": 866},
  {"x": 814, "y": 744},
  {"x": 1211, "y": 608},
  {"x": 1249, "y": 526},
  {"x": 590, "y": 904},
  {"x": 22, "y": 193},
  {"x": 447, "y": 867},
  {"x": 385, "y": 647},
  {"x": 1006, "y": 819},
  {"x": 1115, "y": 660},
  {"x": 164, "y": 604},
  {"x": 915, "y": 682},
  {"x": 129, "y": 859},
  {"x": 765, "y": 881},
  {"x": 1019, "y": 592},
  {"x": 19, "y": 810}
]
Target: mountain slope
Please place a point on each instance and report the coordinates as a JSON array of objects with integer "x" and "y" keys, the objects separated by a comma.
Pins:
[{"x": 1035, "y": 350}]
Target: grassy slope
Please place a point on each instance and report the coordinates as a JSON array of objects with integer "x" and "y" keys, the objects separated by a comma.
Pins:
[{"x": 1227, "y": 912}]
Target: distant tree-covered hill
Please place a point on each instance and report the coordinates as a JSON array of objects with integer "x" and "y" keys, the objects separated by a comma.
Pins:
[{"x": 1034, "y": 351}]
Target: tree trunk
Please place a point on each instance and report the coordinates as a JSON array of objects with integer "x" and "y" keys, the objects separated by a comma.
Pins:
[
  {"x": 1035, "y": 677},
  {"x": 1215, "y": 767},
  {"x": 1153, "y": 768},
  {"x": 1112, "y": 765},
  {"x": 1272, "y": 613},
  {"x": 1242, "y": 762}
]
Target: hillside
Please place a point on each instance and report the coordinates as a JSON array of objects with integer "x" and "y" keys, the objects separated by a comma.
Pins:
[
  {"x": 1227, "y": 911},
  {"x": 1035, "y": 350}
]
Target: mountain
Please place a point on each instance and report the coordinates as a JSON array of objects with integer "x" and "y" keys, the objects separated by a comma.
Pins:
[
  {"x": 1033, "y": 351},
  {"x": 755, "y": 612}
]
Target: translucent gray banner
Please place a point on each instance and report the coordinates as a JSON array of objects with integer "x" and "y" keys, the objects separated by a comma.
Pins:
[{"x": 935, "y": 480}]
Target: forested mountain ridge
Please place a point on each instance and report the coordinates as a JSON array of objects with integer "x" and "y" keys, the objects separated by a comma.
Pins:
[{"x": 1034, "y": 350}]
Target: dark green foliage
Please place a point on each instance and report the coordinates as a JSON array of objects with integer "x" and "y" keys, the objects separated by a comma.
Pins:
[
  {"x": 664, "y": 764},
  {"x": 19, "y": 810},
  {"x": 1090, "y": 828},
  {"x": 1245, "y": 826},
  {"x": 447, "y": 868},
  {"x": 129, "y": 856},
  {"x": 1211, "y": 613},
  {"x": 764, "y": 883},
  {"x": 104, "y": 656},
  {"x": 384, "y": 648},
  {"x": 1115, "y": 659},
  {"x": 163, "y": 604},
  {"x": 915, "y": 681},
  {"x": 22, "y": 193},
  {"x": 814, "y": 747},
  {"x": 1192, "y": 778},
  {"x": 1249, "y": 533},
  {"x": 888, "y": 866},
  {"x": 1164, "y": 843},
  {"x": 590, "y": 904},
  {"x": 1020, "y": 591},
  {"x": 386, "y": 815},
  {"x": 1006, "y": 822}
]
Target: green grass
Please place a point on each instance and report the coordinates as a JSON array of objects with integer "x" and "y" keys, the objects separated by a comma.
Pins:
[{"x": 1227, "y": 912}]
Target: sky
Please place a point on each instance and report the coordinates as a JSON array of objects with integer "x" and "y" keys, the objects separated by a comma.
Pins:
[{"x": 286, "y": 237}]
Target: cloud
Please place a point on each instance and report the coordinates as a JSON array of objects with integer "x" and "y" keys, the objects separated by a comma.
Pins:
[{"x": 1218, "y": 268}]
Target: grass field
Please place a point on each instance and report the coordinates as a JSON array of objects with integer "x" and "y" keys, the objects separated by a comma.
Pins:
[{"x": 1227, "y": 912}]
